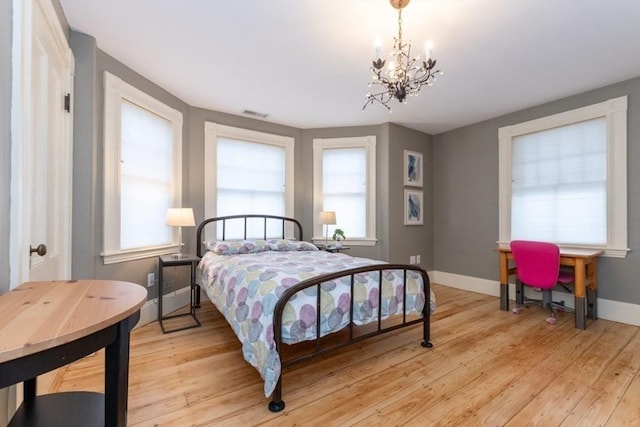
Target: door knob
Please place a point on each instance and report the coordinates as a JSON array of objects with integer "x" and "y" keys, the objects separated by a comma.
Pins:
[{"x": 40, "y": 250}]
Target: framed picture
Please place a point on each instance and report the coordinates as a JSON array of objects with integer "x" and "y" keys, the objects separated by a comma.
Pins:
[
  {"x": 412, "y": 168},
  {"x": 413, "y": 207}
]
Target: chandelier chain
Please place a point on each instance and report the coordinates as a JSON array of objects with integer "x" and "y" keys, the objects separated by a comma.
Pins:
[{"x": 400, "y": 27}]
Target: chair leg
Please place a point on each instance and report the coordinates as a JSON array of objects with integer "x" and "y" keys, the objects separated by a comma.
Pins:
[
  {"x": 519, "y": 292},
  {"x": 547, "y": 301},
  {"x": 519, "y": 297}
]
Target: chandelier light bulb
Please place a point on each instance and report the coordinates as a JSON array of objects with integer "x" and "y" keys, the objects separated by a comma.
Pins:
[
  {"x": 378, "y": 45},
  {"x": 428, "y": 49}
]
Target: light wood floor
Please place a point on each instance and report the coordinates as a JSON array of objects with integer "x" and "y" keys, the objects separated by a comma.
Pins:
[{"x": 487, "y": 367}]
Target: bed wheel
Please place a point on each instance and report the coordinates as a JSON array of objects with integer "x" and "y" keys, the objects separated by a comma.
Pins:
[
  {"x": 276, "y": 406},
  {"x": 426, "y": 344}
]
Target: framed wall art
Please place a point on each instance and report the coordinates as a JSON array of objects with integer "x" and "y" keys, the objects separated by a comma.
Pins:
[
  {"x": 413, "y": 207},
  {"x": 412, "y": 168}
]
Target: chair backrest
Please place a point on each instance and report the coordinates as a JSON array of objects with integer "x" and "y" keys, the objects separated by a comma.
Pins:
[{"x": 537, "y": 263}]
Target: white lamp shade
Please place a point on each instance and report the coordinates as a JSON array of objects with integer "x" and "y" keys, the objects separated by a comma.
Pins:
[
  {"x": 327, "y": 218},
  {"x": 180, "y": 217}
]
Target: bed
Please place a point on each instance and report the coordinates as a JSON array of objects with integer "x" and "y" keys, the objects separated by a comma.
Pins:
[{"x": 279, "y": 292}]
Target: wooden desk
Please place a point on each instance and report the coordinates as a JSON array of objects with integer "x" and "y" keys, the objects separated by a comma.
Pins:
[
  {"x": 585, "y": 265},
  {"x": 45, "y": 325}
]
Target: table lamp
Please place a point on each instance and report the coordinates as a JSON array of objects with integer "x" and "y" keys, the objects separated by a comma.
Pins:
[
  {"x": 327, "y": 218},
  {"x": 180, "y": 217}
]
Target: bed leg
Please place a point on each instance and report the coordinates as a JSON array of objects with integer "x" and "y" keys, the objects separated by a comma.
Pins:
[
  {"x": 426, "y": 327},
  {"x": 277, "y": 404}
]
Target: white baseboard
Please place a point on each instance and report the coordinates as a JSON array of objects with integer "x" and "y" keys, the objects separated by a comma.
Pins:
[
  {"x": 171, "y": 302},
  {"x": 616, "y": 311}
]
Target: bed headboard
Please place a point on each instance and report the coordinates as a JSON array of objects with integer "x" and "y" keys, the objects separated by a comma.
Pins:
[{"x": 268, "y": 224}]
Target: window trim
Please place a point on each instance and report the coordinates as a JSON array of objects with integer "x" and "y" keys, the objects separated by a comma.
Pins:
[
  {"x": 116, "y": 90},
  {"x": 369, "y": 144},
  {"x": 615, "y": 113},
  {"x": 211, "y": 133}
]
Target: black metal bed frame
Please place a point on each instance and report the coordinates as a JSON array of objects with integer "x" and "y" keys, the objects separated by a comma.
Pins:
[{"x": 277, "y": 404}]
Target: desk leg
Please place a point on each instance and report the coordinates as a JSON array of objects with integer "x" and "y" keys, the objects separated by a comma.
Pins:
[
  {"x": 580, "y": 294},
  {"x": 592, "y": 304},
  {"x": 504, "y": 296},
  {"x": 116, "y": 381},
  {"x": 592, "y": 289},
  {"x": 504, "y": 282}
]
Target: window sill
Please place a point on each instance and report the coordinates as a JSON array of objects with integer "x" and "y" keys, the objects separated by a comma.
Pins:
[
  {"x": 136, "y": 254},
  {"x": 347, "y": 242}
]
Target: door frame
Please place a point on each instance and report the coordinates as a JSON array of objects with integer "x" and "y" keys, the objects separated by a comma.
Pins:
[{"x": 21, "y": 125}]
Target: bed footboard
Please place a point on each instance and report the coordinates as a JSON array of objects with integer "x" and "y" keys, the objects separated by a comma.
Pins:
[{"x": 277, "y": 404}]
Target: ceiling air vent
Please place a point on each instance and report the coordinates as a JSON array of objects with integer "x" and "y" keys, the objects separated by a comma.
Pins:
[{"x": 255, "y": 114}]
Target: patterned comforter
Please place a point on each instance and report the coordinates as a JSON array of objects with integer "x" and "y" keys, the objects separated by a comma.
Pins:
[{"x": 245, "y": 288}]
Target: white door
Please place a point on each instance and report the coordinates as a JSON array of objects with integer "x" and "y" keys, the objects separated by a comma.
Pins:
[{"x": 42, "y": 158}]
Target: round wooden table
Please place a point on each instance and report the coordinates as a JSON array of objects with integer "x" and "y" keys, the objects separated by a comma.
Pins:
[{"x": 45, "y": 325}]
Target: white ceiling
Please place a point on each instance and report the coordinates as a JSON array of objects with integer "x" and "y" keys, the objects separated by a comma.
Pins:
[{"x": 306, "y": 63}]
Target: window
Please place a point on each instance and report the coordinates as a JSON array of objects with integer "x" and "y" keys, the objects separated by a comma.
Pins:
[
  {"x": 252, "y": 174},
  {"x": 142, "y": 163},
  {"x": 563, "y": 179},
  {"x": 344, "y": 182}
]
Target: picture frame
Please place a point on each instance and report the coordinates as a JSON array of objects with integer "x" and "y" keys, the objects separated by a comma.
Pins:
[
  {"x": 413, "y": 207},
  {"x": 413, "y": 170}
]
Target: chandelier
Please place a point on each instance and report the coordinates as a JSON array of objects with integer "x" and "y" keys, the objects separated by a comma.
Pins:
[{"x": 404, "y": 76}]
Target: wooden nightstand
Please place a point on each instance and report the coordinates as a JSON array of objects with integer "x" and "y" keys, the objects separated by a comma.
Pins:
[{"x": 190, "y": 261}]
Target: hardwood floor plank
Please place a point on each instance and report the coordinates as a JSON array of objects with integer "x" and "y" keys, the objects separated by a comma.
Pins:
[
  {"x": 603, "y": 396},
  {"x": 487, "y": 367},
  {"x": 627, "y": 413},
  {"x": 534, "y": 378},
  {"x": 449, "y": 395},
  {"x": 554, "y": 403}
]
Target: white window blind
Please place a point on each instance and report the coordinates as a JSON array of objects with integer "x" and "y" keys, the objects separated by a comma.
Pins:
[
  {"x": 559, "y": 191},
  {"x": 251, "y": 179},
  {"x": 344, "y": 189},
  {"x": 142, "y": 172},
  {"x": 146, "y": 178},
  {"x": 247, "y": 172},
  {"x": 344, "y": 181}
]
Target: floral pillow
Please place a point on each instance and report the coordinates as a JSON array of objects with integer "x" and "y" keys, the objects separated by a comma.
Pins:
[
  {"x": 237, "y": 247},
  {"x": 290, "y": 245}
]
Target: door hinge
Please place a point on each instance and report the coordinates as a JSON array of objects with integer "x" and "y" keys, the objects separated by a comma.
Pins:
[{"x": 67, "y": 103}]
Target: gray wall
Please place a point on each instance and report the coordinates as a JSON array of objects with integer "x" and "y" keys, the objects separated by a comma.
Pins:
[
  {"x": 88, "y": 159},
  {"x": 405, "y": 241},
  {"x": 466, "y": 195},
  {"x": 461, "y": 199},
  {"x": 396, "y": 242},
  {"x": 6, "y": 28},
  {"x": 306, "y": 218}
]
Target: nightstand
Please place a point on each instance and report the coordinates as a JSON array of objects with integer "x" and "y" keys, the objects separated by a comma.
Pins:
[
  {"x": 333, "y": 248},
  {"x": 187, "y": 260}
]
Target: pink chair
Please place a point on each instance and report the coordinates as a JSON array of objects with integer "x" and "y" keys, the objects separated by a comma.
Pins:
[{"x": 538, "y": 266}]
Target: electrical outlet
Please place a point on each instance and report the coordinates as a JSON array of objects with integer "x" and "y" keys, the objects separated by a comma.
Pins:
[
  {"x": 151, "y": 279},
  {"x": 417, "y": 259},
  {"x": 412, "y": 259}
]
